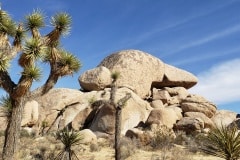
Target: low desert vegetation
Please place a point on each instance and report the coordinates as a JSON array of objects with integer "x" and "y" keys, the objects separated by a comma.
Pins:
[{"x": 223, "y": 142}]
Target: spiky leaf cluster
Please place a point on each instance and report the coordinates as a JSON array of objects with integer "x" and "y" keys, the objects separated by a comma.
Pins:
[
  {"x": 62, "y": 22},
  {"x": 4, "y": 62},
  {"x": 68, "y": 63},
  {"x": 34, "y": 20},
  {"x": 32, "y": 73},
  {"x": 7, "y": 26},
  {"x": 223, "y": 142},
  {"x": 115, "y": 75},
  {"x": 32, "y": 50},
  {"x": 68, "y": 137},
  {"x": 6, "y": 107}
]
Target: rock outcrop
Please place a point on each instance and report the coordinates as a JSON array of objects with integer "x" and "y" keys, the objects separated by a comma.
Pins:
[
  {"x": 148, "y": 72},
  {"x": 159, "y": 97},
  {"x": 196, "y": 103}
]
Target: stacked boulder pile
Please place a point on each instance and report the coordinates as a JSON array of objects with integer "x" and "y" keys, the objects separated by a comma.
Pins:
[{"x": 159, "y": 96}]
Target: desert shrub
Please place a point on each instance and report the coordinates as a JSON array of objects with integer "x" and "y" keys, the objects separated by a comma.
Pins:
[
  {"x": 25, "y": 133},
  {"x": 162, "y": 138},
  {"x": 68, "y": 138},
  {"x": 192, "y": 142},
  {"x": 223, "y": 142},
  {"x": 128, "y": 147},
  {"x": 94, "y": 147}
]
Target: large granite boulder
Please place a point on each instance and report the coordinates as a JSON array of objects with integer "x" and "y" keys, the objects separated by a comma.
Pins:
[
  {"x": 53, "y": 106},
  {"x": 135, "y": 111},
  {"x": 208, "y": 123},
  {"x": 137, "y": 70},
  {"x": 175, "y": 77},
  {"x": 223, "y": 117},
  {"x": 95, "y": 79},
  {"x": 196, "y": 103},
  {"x": 163, "y": 116},
  {"x": 190, "y": 125}
]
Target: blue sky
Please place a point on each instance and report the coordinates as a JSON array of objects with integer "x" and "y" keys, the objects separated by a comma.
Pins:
[{"x": 200, "y": 36}]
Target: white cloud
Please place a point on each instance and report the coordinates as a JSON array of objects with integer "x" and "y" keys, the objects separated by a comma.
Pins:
[{"x": 220, "y": 84}]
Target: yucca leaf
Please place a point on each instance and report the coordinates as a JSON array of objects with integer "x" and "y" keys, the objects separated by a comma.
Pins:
[
  {"x": 62, "y": 22},
  {"x": 6, "y": 107},
  {"x": 32, "y": 50},
  {"x": 223, "y": 142},
  {"x": 8, "y": 26},
  {"x": 4, "y": 62},
  {"x": 68, "y": 63},
  {"x": 32, "y": 72},
  {"x": 34, "y": 20},
  {"x": 68, "y": 137}
]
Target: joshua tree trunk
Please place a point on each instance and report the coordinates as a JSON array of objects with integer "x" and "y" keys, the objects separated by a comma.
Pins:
[
  {"x": 13, "y": 130},
  {"x": 118, "y": 120}
]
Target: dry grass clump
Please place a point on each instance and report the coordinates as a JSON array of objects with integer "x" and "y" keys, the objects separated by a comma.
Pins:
[{"x": 163, "y": 137}]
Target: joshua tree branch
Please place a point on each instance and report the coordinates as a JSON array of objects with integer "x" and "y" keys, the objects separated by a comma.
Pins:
[{"x": 6, "y": 82}]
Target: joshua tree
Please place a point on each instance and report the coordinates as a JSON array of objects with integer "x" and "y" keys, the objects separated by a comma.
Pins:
[
  {"x": 25, "y": 39},
  {"x": 69, "y": 138},
  {"x": 118, "y": 113},
  {"x": 223, "y": 142}
]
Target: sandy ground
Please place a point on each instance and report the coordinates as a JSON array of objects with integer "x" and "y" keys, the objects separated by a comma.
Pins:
[{"x": 105, "y": 152}]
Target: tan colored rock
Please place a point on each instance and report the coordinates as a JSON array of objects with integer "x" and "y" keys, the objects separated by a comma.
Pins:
[
  {"x": 179, "y": 92},
  {"x": 134, "y": 133},
  {"x": 223, "y": 117},
  {"x": 190, "y": 125},
  {"x": 135, "y": 111},
  {"x": 196, "y": 103},
  {"x": 159, "y": 94},
  {"x": 157, "y": 104},
  {"x": 175, "y": 77},
  {"x": 173, "y": 100},
  {"x": 53, "y": 104},
  {"x": 88, "y": 136},
  {"x": 177, "y": 110},
  {"x": 3, "y": 123},
  {"x": 80, "y": 119},
  {"x": 95, "y": 79},
  {"x": 144, "y": 67},
  {"x": 208, "y": 123},
  {"x": 163, "y": 116},
  {"x": 30, "y": 114}
]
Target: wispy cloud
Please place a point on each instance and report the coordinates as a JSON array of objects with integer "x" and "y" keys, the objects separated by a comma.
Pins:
[
  {"x": 159, "y": 28},
  {"x": 206, "y": 39},
  {"x": 220, "y": 84}
]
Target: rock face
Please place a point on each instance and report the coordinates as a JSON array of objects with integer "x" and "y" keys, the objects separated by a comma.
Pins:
[
  {"x": 164, "y": 116},
  {"x": 148, "y": 71},
  {"x": 175, "y": 77},
  {"x": 144, "y": 67},
  {"x": 53, "y": 105},
  {"x": 196, "y": 103},
  {"x": 95, "y": 79},
  {"x": 189, "y": 125},
  {"x": 223, "y": 118},
  {"x": 135, "y": 111},
  {"x": 208, "y": 123}
]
